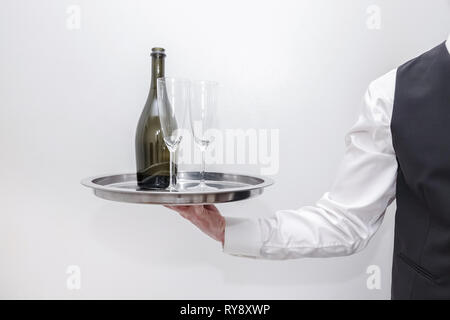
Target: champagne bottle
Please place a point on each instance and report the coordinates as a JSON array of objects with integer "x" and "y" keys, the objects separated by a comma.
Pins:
[{"x": 152, "y": 155}]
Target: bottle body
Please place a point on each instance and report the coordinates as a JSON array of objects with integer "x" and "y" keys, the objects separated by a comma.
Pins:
[{"x": 152, "y": 155}]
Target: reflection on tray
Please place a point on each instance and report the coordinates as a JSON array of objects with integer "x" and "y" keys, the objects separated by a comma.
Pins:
[{"x": 183, "y": 185}]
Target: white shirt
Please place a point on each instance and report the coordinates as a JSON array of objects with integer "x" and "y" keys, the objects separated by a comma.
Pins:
[{"x": 344, "y": 220}]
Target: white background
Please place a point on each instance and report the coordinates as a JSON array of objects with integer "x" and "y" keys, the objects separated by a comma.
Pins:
[{"x": 70, "y": 100}]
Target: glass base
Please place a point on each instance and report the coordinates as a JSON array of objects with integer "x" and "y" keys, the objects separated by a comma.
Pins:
[
  {"x": 202, "y": 186},
  {"x": 172, "y": 189}
]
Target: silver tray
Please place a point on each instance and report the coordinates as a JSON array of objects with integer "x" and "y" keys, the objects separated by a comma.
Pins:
[{"x": 230, "y": 187}]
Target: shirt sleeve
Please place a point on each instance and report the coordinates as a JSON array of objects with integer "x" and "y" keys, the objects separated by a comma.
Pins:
[{"x": 343, "y": 221}]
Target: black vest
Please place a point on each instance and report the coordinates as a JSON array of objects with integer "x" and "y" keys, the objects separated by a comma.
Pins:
[{"x": 421, "y": 137}]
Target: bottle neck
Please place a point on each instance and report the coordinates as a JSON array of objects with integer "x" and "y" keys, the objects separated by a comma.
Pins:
[{"x": 157, "y": 69}]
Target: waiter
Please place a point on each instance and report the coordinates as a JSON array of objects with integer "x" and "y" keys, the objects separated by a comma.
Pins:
[{"x": 399, "y": 149}]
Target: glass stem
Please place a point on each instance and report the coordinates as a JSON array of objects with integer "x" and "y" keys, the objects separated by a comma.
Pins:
[
  {"x": 202, "y": 181},
  {"x": 171, "y": 186}
]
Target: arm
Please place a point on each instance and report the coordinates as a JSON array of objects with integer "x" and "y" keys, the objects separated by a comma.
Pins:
[{"x": 345, "y": 218}]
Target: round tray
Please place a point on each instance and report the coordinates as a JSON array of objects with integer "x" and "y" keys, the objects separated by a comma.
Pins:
[{"x": 230, "y": 187}]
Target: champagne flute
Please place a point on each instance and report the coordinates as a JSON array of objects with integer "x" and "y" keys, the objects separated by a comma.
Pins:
[
  {"x": 173, "y": 100},
  {"x": 203, "y": 115}
]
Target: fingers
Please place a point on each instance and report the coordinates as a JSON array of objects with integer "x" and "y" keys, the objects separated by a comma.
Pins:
[
  {"x": 205, "y": 217},
  {"x": 188, "y": 212},
  {"x": 211, "y": 207},
  {"x": 177, "y": 208},
  {"x": 194, "y": 211}
]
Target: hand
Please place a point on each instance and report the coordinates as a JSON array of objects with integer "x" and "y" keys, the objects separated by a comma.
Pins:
[{"x": 206, "y": 217}]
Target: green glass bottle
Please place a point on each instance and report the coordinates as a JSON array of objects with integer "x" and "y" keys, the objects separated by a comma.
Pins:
[{"x": 152, "y": 155}]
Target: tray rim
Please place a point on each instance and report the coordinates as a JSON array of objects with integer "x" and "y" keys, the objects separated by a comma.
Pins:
[{"x": 88, "y": 182}]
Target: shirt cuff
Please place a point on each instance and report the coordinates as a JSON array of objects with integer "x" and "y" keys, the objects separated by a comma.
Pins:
[{"x": 242, "y": 237}]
